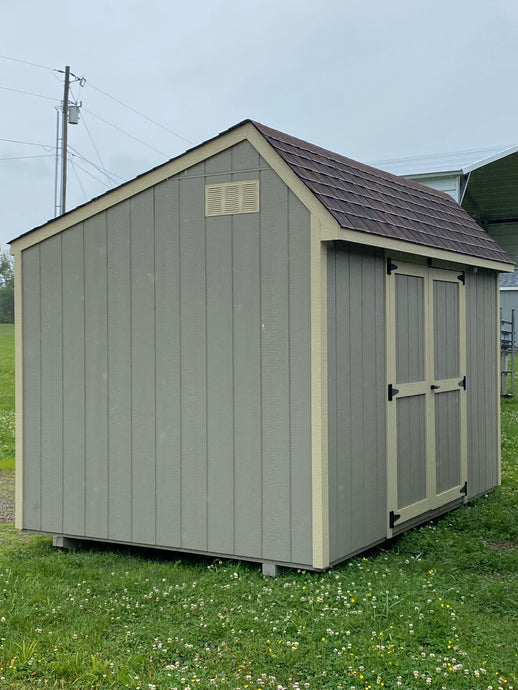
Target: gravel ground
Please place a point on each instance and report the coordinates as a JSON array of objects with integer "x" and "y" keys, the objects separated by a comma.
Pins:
[{"x": 6, "y": 495}]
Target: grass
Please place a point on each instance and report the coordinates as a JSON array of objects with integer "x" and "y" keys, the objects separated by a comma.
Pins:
[
  {"x": 6, "y": 396},
  {"x": 437, "y": 608}
]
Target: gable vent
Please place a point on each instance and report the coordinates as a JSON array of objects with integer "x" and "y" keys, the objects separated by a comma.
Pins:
[{"x": 232, "y": 197}]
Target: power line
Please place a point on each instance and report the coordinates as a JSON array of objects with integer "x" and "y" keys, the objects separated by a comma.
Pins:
[
  {"x": 170, "y": 131},
  {"x": 28, "y": 143},
  {"x": 83, "y": 81},
  {"x": 29, "y": 93},
  {"x": 102, "y": 169},
  {"x": 17, "y": 158},
  {"x": 25, "y": 62},
  {"x": 93, "y": 144},
  {"x": 126, "y": 133},
  {"x": 77, "y": 178},
  {"x": 90, "y": 175}
]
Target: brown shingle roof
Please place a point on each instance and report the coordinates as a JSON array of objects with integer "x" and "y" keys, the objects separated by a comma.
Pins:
[{"x": 373, "y": 201}]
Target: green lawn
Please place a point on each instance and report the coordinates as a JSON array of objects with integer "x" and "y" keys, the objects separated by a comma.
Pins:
[
  {"x": 6, "y": 395},
  {"x": 437, "y": 608}
]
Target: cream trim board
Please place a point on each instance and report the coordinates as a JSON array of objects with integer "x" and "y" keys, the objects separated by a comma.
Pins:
[
  {"x": 18, "y": 340},
  {"x": 463, "y": 404},
  {"x": 319, "y": 421},
  {"x": 391, "y": 406},
  {"x": 334, "y": 232}
]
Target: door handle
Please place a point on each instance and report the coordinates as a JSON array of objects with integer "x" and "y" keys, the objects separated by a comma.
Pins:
[{"x": 434, "y": 387}]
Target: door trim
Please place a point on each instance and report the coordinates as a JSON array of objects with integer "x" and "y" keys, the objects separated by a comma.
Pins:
[{"x": 433, "y": 500}]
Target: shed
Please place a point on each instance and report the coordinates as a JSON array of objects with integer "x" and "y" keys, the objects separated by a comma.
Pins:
[
  {"x": 485, "y": 183},
  {"x": 260, "y": 350}
]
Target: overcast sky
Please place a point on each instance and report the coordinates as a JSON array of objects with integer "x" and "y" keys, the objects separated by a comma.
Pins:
[{"x": 371, "y": 80}]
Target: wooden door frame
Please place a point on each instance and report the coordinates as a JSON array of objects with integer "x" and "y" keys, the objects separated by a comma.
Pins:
[{"x": 432, "y": 500}]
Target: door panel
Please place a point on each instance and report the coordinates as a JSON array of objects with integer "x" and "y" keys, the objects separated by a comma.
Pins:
[
  {"x": 410, "y": 331},
  {"x": 447, "y": 440},
  {"x": 426, "y": 411},
  {"x": 411, "y": 450},
  {"x": 446, "y": 329}
]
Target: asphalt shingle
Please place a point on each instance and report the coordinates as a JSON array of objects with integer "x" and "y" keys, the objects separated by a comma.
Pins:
[{"x": 369, "y": 200}]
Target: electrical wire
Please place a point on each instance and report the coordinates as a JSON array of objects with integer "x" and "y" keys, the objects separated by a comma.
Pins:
[
  {"x": 126, "y": 133},
  {"x": 170, "y": 131},
  {"x": 18, "y": 158},
  {"x": 88, "y": 173},
  {"x": 94, "y": 146},
  {"x": 111, "y": 176},
  {"x": 77, "y": 178},
  {"x": 29, "y": 93},
  {"x": 82, "y": 82},
  {"x": 29, "y": 143},
  {"x": 72, "y": 154},
  {"x": 25, "y": 62}
]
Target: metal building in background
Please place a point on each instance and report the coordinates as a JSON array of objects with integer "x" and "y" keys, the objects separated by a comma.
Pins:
[{"x": 485, "y": 183}]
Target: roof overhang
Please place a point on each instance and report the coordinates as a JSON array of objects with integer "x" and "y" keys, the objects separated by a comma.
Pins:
[{"x": 491, "y": 193}]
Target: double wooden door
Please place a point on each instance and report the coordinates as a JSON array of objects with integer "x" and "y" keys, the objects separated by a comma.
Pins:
[{"x": 426, "y": 390}]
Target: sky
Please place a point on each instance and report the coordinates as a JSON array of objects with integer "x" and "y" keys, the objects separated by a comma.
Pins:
[{"x": 370, "y": 80}]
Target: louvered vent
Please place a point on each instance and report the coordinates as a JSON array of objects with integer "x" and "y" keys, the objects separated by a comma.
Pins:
[{"x": 232, "y": 197}]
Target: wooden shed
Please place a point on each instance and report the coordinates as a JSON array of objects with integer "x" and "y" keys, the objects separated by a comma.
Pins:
[{"x": 259, "y": 350}]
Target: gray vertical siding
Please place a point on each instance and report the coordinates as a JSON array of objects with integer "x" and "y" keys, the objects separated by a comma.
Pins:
[
  {"x": 482, "y": 383},
  {"x": 51, "y": 385},
  {"x": 143, "y": 417},
  {"x": 167, "y": 372},
  {"x": 356, "y": 398},
  {"x": 248, "y": 470},
  {"x": 74, "y": 464},
  {"x": 119, "y": 380},
  {"x": 193, "y": 348},
  {"x": 96, "y": 377}
]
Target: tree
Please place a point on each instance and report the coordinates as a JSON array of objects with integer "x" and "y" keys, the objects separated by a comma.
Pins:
[{"x": 6, "y": 288}]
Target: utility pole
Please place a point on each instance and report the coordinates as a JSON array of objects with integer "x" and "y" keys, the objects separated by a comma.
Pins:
[
  {"x": 69, "y": 115},
  {"x": 64, "y": 140}
]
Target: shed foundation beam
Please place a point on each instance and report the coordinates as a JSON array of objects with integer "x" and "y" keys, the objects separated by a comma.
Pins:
[
  {"x": 271, "y": 569},
  {"x": 65, "y": 543}
]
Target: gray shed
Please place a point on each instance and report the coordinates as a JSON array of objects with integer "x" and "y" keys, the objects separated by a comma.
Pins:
[{"x": 259, "y": 350}]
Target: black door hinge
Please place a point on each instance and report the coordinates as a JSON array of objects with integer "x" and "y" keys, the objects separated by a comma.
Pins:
[
  {"x": 392, "y": 392},
  {"x": 462, "y": 277},
  {"x": 462, "y": 383},
  {"x": 392, "y": 518},
  {"x": 390, "y": 267},
  {"x": 464, "y": 489}
]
